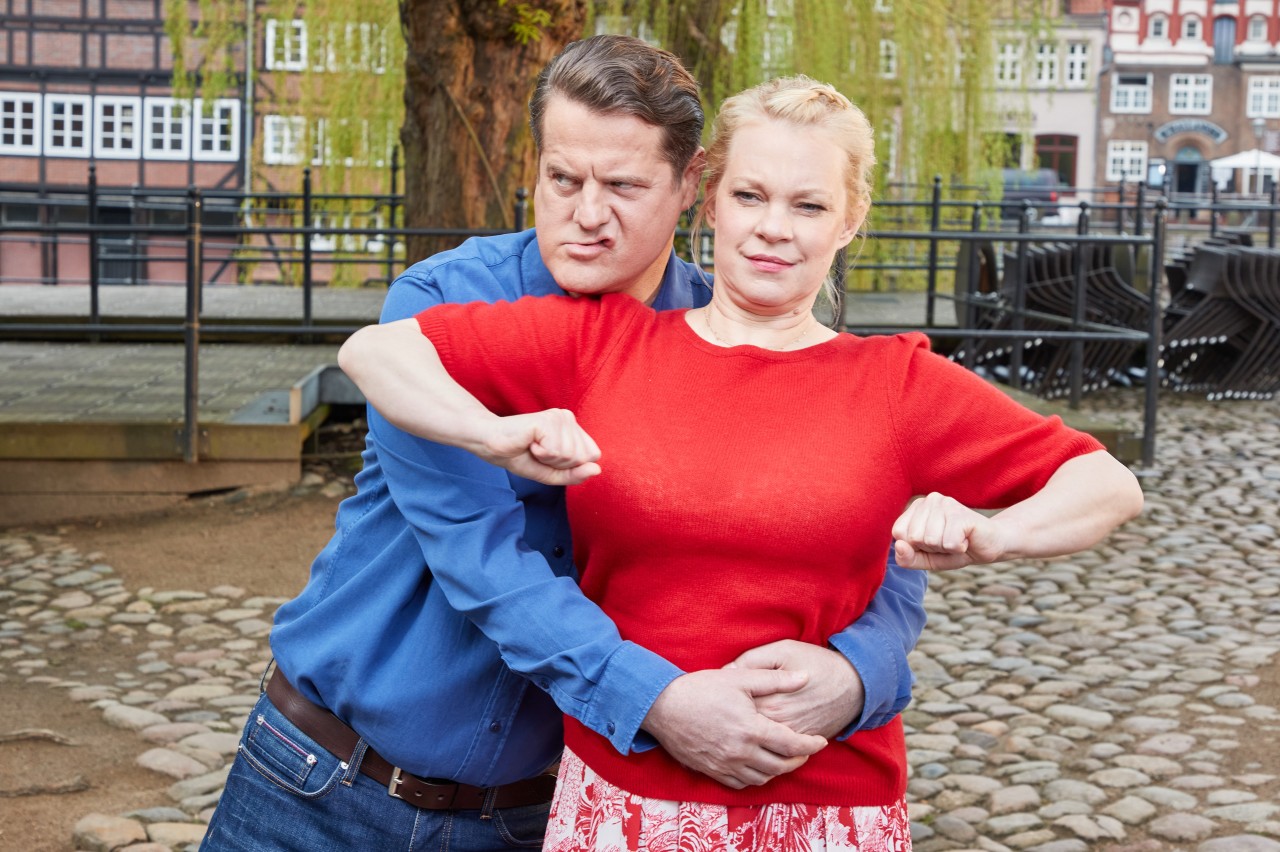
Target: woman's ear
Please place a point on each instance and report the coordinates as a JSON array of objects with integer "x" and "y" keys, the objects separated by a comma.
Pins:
[{"x": 857, "y": 216}]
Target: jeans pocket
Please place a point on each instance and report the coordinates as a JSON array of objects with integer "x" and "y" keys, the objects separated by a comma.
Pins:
[
  {"x": 522, "y": 827},
  {"x": 288, "y": 758}
]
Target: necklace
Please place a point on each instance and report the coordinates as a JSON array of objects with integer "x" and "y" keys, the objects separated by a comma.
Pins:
[{"x": 706, "y": 318}]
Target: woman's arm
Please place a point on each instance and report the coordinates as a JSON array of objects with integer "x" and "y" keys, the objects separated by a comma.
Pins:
[
  {"x": 1085, "y": 499},
  {"x": 401, "y": 375}
]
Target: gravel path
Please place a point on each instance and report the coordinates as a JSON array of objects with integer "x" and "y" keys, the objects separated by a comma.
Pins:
[{"x": 1121, "y": 699}]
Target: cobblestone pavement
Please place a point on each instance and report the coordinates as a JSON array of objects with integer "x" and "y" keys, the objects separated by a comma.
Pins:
[{"x": 1105, "y": 701}]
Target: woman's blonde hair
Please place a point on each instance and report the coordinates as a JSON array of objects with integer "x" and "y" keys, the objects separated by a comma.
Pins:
[{"x": 805, "y": 102}]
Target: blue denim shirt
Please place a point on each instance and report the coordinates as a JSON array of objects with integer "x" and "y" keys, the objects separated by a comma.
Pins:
[{"x": 443, "y": 620}]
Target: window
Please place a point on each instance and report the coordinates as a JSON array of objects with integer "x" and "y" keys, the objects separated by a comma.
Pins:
[
  {"x": 1191, "y": 27},
  {"x": 217, "y": 131},
  {"x": 19, "y": 124},
  {"x": 1126, "y": 159},
  {"x": 1158, "y": 27},
  {"x": 117, "y": 127},
  {"x": 1257, "y": 28},
  {"x": 1264, "y": 97},
  {"x": 1009, "y": 64},
  {"x": 1224, "y": 40},
  {"x": 1058, "y": 152},
  {"x": 1131, "y": 93},
  {"x": 1190, "y": 93},
  {"x": 888, "y": 59},
  {"x": 167, "y": 128},
  {"x": 1047, "y": 64},
  {"x": 66, "y": 125},
  {"x": 1077, "y": 64},
  {"x": 282, "y": 138},
  {"x": 286, "y": 48}
]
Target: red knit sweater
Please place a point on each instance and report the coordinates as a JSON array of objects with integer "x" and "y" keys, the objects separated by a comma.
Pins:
[{"x": 746, "y": 495}]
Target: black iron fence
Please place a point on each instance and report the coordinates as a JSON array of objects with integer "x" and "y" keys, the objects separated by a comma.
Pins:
[{"x": 965, "y": 251}]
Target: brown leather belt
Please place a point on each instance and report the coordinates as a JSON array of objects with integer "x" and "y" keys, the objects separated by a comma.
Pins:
[{"x": 334, "y": 736}]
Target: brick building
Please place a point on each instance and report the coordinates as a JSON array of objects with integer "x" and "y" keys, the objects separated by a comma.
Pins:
[{"x": 1189, "y": 81}]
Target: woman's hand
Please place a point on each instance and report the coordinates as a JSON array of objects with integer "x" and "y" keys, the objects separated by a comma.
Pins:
[
  {"x": 938, "y": 533},
  {"x": 548, "y": 446}
]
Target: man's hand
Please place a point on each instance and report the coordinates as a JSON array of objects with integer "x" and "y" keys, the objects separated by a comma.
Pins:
[
  {"x": 548, "y": 446},
  {"x": 938, "y": 533},
  {"x": 827, "y": 704},
  {"x": 707, "y": 720}
]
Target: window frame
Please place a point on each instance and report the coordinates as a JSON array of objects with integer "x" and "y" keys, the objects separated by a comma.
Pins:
[
  {"x": 85, "y": 103},
  {"x": 295, "y": 33},
  {"x": 1076, "y": 60},
  {"x": 1190, "y": 86},
  {"x": 100, "y": 149},
  {"x": 1130, "y": 89},
  {"x": 1260, "y": 38},
  {"x": 1124, "y": 150},
  {"x": 17, "y": 148},
  {"x": 170, "y": 106},
  {"x": 198, "y": 122},
  {"x": 1263, "y": 88},
  {"x": 1048, "y": 56},
  {"x": 291, "y": 131},
  {"x": 1008, "y": 64},
  {"x": 1161, "y": 20},
  {"x": 1192, "y": 27},
  {"x": 888, "y": 59}
]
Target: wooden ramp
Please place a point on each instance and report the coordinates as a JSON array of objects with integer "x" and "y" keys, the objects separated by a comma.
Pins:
[{"x": 96, "y": 429}]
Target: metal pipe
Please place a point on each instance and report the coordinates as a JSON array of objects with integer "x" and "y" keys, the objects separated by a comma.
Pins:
[
  {"x": 94, "y": 263},
  {"x": 522, "y": 209},
  {"x": 306, "y": 246},
  {"x": 1154, "y": 320},
  {"x": 1079, "y": 300},
  {"x": 391, "y": 217},
  {"x": 935, "y": 222},
  {"x": 191, "y": 334},
  {"x": 1019, "y": 297},
  {"x": 1271, "y": 218}
]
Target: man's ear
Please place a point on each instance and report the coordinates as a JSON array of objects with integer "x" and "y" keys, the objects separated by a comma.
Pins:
[{"x": 691, "y": 180}]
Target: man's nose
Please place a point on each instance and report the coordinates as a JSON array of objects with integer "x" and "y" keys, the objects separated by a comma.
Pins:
[{"x": 592, "y": 209}]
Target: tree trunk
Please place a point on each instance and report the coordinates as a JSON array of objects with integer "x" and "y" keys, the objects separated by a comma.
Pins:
[{"x": 466, "y": 136}]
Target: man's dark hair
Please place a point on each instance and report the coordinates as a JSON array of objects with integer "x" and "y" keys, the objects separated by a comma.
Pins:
[{"x": 614, "y": 74}]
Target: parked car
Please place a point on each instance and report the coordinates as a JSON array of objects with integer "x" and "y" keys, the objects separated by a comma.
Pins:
[{"x": 1039, "y": 186}]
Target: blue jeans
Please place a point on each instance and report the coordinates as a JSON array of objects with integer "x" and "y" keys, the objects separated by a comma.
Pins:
[{"x": 287, "y": 793}]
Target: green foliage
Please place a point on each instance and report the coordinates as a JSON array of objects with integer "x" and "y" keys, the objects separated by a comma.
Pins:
[{"x": 529, "y": 23}]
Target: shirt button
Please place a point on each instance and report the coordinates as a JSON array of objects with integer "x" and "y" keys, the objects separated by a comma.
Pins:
[
  {"x": 557, "y": 551},
  {"x": 495, "y": 727},
  {"x": 610, "y": 728},
  {"x": 544, "y": 683}
]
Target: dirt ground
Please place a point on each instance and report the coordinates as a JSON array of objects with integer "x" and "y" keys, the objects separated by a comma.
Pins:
[{"x": 264, "y": 544}]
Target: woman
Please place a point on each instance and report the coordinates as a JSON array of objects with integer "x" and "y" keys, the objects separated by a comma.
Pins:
[{"x": 762, "y": 507}]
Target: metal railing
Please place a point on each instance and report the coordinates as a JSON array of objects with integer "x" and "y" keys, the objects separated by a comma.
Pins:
[{"x": 210, "y": 229}]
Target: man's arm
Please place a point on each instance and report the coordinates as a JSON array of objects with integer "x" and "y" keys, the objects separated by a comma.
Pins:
[{"x": 865, "y": 681}]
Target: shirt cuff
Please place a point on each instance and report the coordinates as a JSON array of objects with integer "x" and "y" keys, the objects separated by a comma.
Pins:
[
  {"x": 882, "y": 665},
  {"x": 633, "y": 678}
]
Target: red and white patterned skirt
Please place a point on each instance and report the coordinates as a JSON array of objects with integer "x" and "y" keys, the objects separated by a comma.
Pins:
[{"x": 589, "y": 814}]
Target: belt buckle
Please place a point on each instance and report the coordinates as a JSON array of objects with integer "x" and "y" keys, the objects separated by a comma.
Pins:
[
  {"x": 441, "y": 799},
  {"x": 393, "y": 786}
]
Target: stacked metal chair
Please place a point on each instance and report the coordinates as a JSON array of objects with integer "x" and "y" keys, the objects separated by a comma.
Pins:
[
  {"x": 1049, "y": 275},
  {"x": 1222, "y": 326}
]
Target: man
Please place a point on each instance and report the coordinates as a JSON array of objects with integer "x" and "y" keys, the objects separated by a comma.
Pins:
[{"x": 423, "y": 670}]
